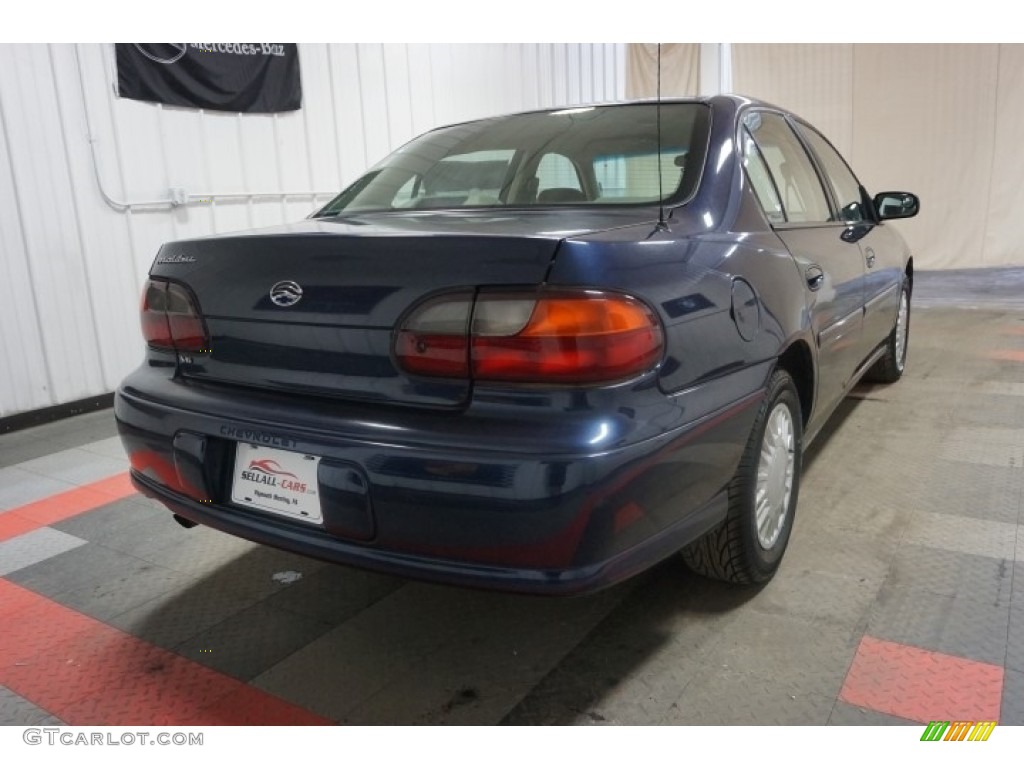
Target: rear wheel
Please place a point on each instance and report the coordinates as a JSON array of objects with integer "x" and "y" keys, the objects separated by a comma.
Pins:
[
  {"x": 890, "y": 367},
  {"x": 748, "y": 546}
]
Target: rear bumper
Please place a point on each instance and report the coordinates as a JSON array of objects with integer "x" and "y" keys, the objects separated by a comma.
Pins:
[
  {"x": 501, "y": 514},
  {"x": 574, "y": 580}
]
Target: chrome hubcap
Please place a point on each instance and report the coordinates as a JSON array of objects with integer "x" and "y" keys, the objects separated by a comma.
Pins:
[
  {"x": 901, "y": 331},
  {"x": 775, "y": 471}
]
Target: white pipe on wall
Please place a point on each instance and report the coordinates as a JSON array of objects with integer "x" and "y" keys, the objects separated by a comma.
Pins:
[{"x": 167, "y": 203}]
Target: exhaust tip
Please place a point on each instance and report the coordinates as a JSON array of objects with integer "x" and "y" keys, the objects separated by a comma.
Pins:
[{"x": 184, "y": 522}]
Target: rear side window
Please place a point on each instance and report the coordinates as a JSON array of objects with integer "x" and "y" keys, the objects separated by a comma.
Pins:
[
  {"x": 761, "y": 180},
  {"x": 844, "y": 183},
  {"x": 803, "y": 197}
]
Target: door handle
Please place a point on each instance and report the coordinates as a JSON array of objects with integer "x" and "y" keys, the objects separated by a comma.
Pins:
[
  {"x": 815, "y": 277},
  {"x": 869, "y": 256}
]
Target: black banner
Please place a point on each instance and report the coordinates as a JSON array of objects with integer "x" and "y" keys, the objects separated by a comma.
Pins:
[{"x": 232, "y": 77}]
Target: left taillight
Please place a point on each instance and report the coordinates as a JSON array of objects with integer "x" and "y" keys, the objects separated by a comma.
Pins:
[{"x": 171, "y": 318}]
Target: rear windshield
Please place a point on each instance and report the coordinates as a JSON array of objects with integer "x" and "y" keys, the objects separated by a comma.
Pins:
[{"x": 580, "y": 156}]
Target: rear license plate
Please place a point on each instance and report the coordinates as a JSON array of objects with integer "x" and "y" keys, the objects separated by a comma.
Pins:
[{"x": 277, "y": 481}]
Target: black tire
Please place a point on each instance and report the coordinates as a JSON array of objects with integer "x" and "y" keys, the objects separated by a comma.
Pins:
[
  {"x": 890, "y": 368},
  {"x": 733, "y": 552}
]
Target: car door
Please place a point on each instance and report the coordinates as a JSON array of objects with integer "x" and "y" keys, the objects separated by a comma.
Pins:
[
  {"x": 881, "y": 251},
  {"x": 831, "y": 266}
]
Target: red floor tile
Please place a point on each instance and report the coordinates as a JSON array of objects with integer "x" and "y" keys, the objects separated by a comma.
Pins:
[
  {"x": 13, "y": 524},
  {"x": 921, "y": 685},
  {"x": 61, "y": 506},
  {"x": 88, "y": 673}
]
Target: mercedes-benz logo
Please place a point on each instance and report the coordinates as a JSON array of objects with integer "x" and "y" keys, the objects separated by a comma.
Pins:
[
  {"x": 286, "y": 293},
  {"x": 162, "y": 53}
]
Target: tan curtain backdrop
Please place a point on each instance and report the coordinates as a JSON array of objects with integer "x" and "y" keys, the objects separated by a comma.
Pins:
[
  {"x": 939, "y": 120},
  {"x": 680, "y": 70},
  {"x": 806, "y": 79}
]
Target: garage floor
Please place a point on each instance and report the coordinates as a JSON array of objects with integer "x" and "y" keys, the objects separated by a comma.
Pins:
[{"x": 901, "y": 598}]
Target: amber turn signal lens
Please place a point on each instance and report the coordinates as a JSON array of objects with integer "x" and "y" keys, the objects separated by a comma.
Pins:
[
  {"x": 563, "y": 337},
  {"x": 582, "y": 338}
]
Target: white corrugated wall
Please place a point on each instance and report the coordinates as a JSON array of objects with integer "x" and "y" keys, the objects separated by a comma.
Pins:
[{"x": 72, "y": 264}]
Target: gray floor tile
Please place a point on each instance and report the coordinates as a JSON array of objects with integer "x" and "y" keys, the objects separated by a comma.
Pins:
[
  {"x": 111, "y": 447},
  {"x": 818, "y": 595},
  {"x": 75, "y": 466},
  {"x": 83, "y": 565},
  {"x": 153, "y": 529},
  {"x": 1012, "y": 711},
  {"x": 19, "y": 487},
  {"x": 260, "y": 571},
  {"x": 77, "y": 430},
  {"x": 847, "y": 714},
  {"x": 985, "y": 579},
  {"x": 638, "y": 661},
  {"x": 199, "y": 550},
  {"x": 174, "y": 617},
  {"x": 850, "y": 553},
  {"x": 957, "y": 533},
  {"x": 1017, "y": 596},
  {"x": 333, "y": 593},
  {"x": 252, "y": 641},
  {"x": 1015, "y": 639},
  {"x": 992, "y": 446},
  {"x": 963, "y": 625},
  {"x": 14, "y": 710},
  {"x": 33, "y": 549},
  {"x": 722, "y": 696},
  {"x": 109, "y": 597},
  {"x": 14, "y": 449},
  {"x": 105, "y": 523},
  {"x": 806, "y": 656},
  {"x": 974, "y": 490},
  {"x": 860, "y": 497},
  {"x": 993, "y": 409},
  {"x": 999, "y": 388},
  {"x": 410, "y": 657}
]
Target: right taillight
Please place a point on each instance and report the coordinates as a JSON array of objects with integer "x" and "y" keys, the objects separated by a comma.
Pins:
[
  {"x": 171, "y": 318},
  {"x": 559, "y": 337}
]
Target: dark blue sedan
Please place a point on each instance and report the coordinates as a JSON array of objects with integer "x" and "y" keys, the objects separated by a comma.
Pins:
[{"x": 536, "y": 353}]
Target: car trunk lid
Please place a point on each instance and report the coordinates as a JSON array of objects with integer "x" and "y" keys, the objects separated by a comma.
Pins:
[{"x": 357, "y": 279}]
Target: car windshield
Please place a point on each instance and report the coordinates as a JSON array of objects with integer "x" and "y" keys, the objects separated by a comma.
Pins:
[{"x": 580, "y": 156}]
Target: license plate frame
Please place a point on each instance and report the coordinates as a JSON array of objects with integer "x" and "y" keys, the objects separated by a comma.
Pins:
[{"x": 283, "y": 483}]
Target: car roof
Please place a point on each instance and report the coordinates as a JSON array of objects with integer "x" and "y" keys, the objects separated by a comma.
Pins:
[{"x": 737, "y": 101}]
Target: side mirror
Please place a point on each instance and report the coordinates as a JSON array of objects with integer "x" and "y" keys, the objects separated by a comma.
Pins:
[{"x": 897, "y": 205}]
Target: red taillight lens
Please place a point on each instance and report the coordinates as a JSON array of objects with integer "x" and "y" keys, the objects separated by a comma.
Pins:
[
  {"x": 572, "y": 337},
  {"x": 433, "y": 340},
  {"x": 184, "y": 319},
  {"x": 171, "y": 318},
  {"x": 577, "y": 339},
  {"x": 154, "y": 315}
]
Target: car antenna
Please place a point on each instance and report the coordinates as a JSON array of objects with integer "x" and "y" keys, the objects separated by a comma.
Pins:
[{"x": 661, "y": 194}]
